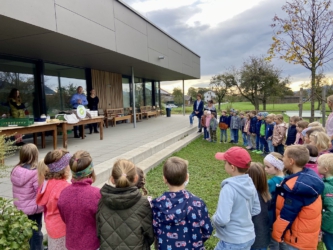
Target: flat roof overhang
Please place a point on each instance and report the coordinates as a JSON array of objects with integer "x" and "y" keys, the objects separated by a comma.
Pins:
[{"x": 28, "y": 41}]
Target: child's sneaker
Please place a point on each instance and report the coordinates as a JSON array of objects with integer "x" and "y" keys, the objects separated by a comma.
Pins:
[
  {"x": 254, "y": 151},
  {"x": 248, "y": 147},
  {"x": 259, "y": 152}
]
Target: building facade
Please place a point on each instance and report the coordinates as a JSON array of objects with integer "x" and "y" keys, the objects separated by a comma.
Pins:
[{"x": 50, "y": 47}]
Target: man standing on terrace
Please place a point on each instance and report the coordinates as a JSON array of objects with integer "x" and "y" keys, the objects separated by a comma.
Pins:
[
  {"x": 198, "y": 106},
  {"x": 78, "y": 99}
]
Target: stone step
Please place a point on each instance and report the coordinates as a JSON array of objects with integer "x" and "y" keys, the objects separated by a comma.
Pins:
[{"x": 149, "y": 155}]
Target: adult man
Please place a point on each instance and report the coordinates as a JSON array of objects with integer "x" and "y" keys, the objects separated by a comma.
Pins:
[
  {"x": 78, "y": 99},
  {"x": 198, "y": 106}
]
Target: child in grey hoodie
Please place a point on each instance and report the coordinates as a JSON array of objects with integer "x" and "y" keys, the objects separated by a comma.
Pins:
[{"x": 238, "y": 202}]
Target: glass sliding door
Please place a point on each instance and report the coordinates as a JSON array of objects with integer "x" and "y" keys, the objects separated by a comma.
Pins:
[{"x": 126, "y": 93}]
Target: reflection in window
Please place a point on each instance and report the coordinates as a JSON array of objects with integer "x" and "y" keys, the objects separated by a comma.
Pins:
[
  {"x": 19, "y": 75},
  {"x": 157, "y": 94},
  {"x": 139, "y": 101},
  {"x": 148, "y": 94},
  {"x": 126, "y": 93},
  {"x": 61, "y": 83}
]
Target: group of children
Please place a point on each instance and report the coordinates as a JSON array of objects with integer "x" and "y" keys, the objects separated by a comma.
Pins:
[{"x": 118, "y": 216}]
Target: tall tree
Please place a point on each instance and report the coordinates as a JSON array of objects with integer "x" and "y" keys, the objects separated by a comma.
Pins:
[
  {"x": 221, "y": 84},
  {"x": 305, "y": 36},
  {"x": 192, "y": 92},
  {"x": 177, "y": 96}
]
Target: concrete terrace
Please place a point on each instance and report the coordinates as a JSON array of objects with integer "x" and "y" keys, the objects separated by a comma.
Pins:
[{"x": 123, "y": 141}]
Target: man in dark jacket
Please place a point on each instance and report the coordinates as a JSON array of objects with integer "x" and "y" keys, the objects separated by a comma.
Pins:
[{"x": 198, "y": 106}]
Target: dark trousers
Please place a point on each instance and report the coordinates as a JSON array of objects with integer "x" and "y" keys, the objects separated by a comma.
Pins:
[
  {"x": 263, "y": 145},
  {"x": 235, "y": 134},
  {"x": 75, "y": 128},
  {"x": 328, "y": 240},
  {"x": 36, "y": 241},
  {"x": 279, "y": 149},
  {"x": 257, "y": 142},
  {"x": 91, "y": 126}
]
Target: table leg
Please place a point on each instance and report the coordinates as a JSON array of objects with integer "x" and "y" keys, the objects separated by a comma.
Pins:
[
  {"x": 35, "y": 139},
  {"x": 82, "y": 131},
  {"x": 101, "y": 130},
  {"x": 55, "y": 143},
  {"x": 64, "y": 135},
  {"x": 43, "y": 140}
]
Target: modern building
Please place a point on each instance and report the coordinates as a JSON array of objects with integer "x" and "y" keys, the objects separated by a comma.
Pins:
[{"x": 50, "y": 47}]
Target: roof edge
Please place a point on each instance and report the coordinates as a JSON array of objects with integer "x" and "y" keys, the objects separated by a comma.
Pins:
[{"x": 144, "y": 18}]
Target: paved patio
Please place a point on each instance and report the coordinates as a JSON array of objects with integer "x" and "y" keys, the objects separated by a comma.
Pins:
[{"x": 117, "y": 140}]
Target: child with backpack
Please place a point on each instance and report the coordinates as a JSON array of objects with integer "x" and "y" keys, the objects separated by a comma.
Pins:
[{"x": 224, "y": 125}]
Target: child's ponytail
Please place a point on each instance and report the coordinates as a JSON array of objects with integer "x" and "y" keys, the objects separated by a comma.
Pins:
[{"x": 124, "y": 173}]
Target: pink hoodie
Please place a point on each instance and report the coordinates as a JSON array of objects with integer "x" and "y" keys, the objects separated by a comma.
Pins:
[
  {"x": 25, "y": 186},
  {"x": 313, "y": 166},
  {"x": 208, "y": 117}
]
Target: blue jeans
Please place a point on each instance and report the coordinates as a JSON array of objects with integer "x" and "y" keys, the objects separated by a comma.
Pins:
[
  {"x": 249, "y": 142},
  {"x": 222, "y": 245},
  {"x": 263, "y": 144},
  {"x": 270, "y": 145},
  {"x": 232, "y": 135},
  {"x": 274, "y": 245},
  {"x": 257, "y": 142},
  {"x": 279, "y": 149},
  {"x": 265, "y": 248},
  {"x": 36, "y": 241},
  {"x": 291, "y": 247},
  {"x": 244, "y": 136},
  {"x": 223, "y": 133},
  {"x": 235, "y": 135},
  {"x": 328, "y": 240},
  {"x": 206, "y": 133},
  {"x": 199, "y": 118}
]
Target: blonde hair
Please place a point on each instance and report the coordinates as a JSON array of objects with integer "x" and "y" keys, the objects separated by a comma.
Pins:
[
  {"x": 315, "y": 124},
  {"x": 295, "y": 118},
  {"x": 330, "y": 99},
  {"x": 224, "y": 111},
  {"x": 123, "y": 173},
  {"x": 80, "y": 161},
  {"x": 241, "y": 113},
  {"x": 302, "y": 124},
  {"x": 141, "y": 184},
  {"x": 272, "y": 116},
  {"x": 321, "y": 140},
  {"x": 279, "y": 117},
  {"x": 326, "y": 161},
  {"x": 258, "y": 176},
  {"x": 205, "y": 112},
  {"x": 54, "y": 156},
  {"x": 299, "y": 153},
  {"x": 29, "y": 155},
  {"x": 41, "y": 169}
]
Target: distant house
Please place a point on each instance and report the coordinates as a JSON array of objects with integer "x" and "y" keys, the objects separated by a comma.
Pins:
[
  {"x": 209, "y": 95},
  {"x": 168, "y": 98}
]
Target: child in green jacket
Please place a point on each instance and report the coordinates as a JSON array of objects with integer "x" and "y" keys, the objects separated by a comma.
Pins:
[{"x": 325, "y": 167}]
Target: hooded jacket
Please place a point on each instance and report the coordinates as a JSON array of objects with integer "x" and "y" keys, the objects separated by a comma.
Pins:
[
  {"x": 298, "y": 210},
  {"x": 48, "y": 196},
  {"x": 253, "y": 125},
  {"x": 238, "y": 202},
  {"x": 124, "y": 219},
  {"x": 269, "y": 130},
  {"x": 25, "y": 186},
  {"x": 235, "y": 122},
  {"x": 213, "y": 124},
  {"x": 180, "y": 220},
  {"x": 279, "y": 134},
  {"x": 327, "y": 197},
  {"x": 291, "y": 135}
]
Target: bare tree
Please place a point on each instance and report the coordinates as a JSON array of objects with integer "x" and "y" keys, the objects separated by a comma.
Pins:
[
  {"x": 220, "y": 84},
  {"x": 305, "y": 36}
]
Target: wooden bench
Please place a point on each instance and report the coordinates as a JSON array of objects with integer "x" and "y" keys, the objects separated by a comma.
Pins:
[
  {"x": 115, "y": 115},
  {"x": 148, "y": 111}
]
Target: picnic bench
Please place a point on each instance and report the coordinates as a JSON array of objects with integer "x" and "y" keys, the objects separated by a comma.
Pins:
[
  {"x": 115, "y": 115},
  {"x": 148, "y": 111}
]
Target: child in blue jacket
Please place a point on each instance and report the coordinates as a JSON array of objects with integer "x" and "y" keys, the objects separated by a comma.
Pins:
[
  {"x": 252, "y": 129},
  {"x": 257, "y": 133}
]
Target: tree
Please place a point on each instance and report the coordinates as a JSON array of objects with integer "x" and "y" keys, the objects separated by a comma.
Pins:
[
  {"x": 192, "y": 92},
  {"x": 305, "y": 36},
  {"x": 177, "y": 96},
  {"x": 221, "y": 84}
]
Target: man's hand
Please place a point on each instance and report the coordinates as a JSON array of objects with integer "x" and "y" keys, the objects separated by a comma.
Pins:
[
  {"x": 79, "y": 101},
  {"x": 197, "y": 112}
]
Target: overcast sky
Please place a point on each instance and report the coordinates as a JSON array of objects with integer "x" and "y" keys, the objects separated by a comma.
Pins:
[{"x": 223, "y": 32}]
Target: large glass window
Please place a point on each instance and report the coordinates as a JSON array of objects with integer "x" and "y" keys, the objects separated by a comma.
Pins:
[
  {"x": 157, "y": 94},
  {"x": 61, "y": 83},
  {"x": 139, "y": 101},
  {"x": 126, "y": 93},
  {"x": 19, "y": 75},
  {"x": 148, "y": 93}
]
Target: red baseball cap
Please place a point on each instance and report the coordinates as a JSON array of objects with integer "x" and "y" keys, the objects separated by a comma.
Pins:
[{"x": 237, "y": 156}]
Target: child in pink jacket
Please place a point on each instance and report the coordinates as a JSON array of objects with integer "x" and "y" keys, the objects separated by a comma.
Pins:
[
  {"x": 208, "y": 117},
  {"x": 55, "y": 181},
  {"x": 25, "y": 186}
]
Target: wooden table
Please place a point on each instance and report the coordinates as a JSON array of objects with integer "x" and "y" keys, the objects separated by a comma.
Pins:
[
  {"x": 33, "y": 129},
  {"x": 65, "y": 125}
]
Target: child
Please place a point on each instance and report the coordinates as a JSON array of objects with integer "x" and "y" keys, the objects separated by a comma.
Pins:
[
  {"x": 260, "y": 221},
  {"x": 224, "y": 125},
  {"x": 252, "y": 130},
  {"x": 231, "y": 114},
  {"x": 82, "y": 198},
  {"x": 321, "y": 141},
  {"x": 257, "y": 133},
  {"x": 55, "y": 181},
  {"x": 325, "y": 167},
  {"x": 309, "y": 131},
  {"x": 25, "y": 185},
  {"x": 279, "y": 134},
  {"x": 208, "y": 117},
  {"x": 124, "y": 217},
  {"x": 212, "y": 128},
  {"x": 292, "y": 131},
  {"x": 247, "y": 130},
  {"x": 263, "y": 149},
  {"x": 180, "y": 218},
  {"x": 238, "y": 202},
  {"x": 269, "y": 131},
  {"x": 243, "y": 121},
  {"x": 300, "y": 126},
  {"x": 312, "y": 164},
  {"x": 203, "y": 125},
  {"x": 298, "y": 204},
  {"x": 234, "y": 127}
]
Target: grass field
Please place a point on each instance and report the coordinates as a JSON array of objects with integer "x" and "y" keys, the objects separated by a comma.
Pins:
[{"x": 206, "y": 175}]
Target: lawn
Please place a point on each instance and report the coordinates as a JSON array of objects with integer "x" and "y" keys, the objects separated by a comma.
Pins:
[{"x": 206, "y": 175}]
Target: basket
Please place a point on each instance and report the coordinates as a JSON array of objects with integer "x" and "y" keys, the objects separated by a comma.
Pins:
[{"x": 7, "y": 122}]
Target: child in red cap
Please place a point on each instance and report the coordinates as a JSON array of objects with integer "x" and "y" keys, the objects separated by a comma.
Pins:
[{"x": 238, "y": 202}]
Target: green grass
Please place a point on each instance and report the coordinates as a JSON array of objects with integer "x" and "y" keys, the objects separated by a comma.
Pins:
[{"x": 206, "y": 175}]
